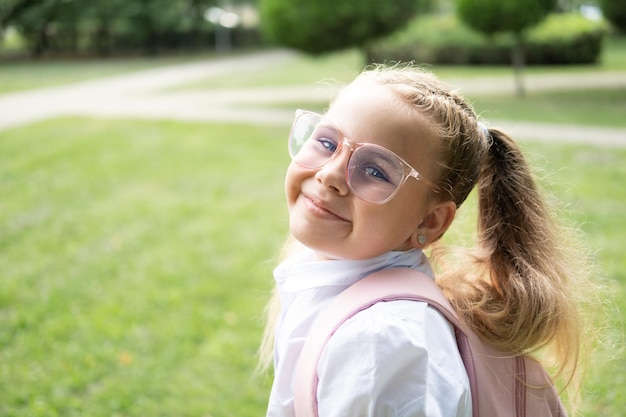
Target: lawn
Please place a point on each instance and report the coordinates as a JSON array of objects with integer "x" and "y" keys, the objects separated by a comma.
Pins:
[
  {"x": 136, "y": 259},
  {"x": 24, "y": 75},
  {"x": 591, "y": 107},
  {"x": 135, "y": 262}
]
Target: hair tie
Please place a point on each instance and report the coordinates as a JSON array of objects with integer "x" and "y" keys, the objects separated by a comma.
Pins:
[{"x": 484, "y": 129}]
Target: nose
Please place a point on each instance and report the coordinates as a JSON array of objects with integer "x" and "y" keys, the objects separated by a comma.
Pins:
[{"x": 332, "y": 175}]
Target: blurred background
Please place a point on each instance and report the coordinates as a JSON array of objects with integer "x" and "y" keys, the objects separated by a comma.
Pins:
[{"x": 142, "y": 154}]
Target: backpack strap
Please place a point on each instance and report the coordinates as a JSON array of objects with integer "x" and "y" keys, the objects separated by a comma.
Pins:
[
  {"x": 516, "y": 386},
  {"x": 386, "y": 285}
]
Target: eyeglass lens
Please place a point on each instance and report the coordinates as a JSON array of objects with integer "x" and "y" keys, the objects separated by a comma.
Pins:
[{"x": 374, "y": 173}]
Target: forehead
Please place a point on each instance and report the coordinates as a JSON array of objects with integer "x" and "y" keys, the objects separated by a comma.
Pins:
[{"x": 371, "y": 113}]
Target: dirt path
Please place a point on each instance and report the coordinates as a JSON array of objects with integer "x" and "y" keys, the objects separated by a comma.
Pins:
[
  {"x": 140, "y": 95},
  {"x": 129, "y": 95}
]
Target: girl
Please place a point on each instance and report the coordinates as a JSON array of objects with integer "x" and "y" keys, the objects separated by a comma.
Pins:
[{"x": 374, "y": 182}]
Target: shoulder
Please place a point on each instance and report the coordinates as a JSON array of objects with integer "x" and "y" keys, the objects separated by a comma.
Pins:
[
  {"x": 406, "y": 330},
  {"x": 393, "y": 354}
]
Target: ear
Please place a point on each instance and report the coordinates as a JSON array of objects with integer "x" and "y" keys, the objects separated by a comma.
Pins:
[{"x": 434, "y": 225}]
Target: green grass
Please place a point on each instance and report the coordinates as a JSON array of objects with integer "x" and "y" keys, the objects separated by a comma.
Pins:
[
  {"x": 135, "y": 261},
  {"x": 24, "y": 75},
  {"x": 614, "y": 53},
  {"x": 589, "y": 184},
  {"x": 599, "y": 107},
  {"x": 339, "y": 67},
  {"x": 136, "y": 258}
]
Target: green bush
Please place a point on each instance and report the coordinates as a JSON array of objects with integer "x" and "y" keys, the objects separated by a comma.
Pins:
[
  {"x": 559, "y": 39},
  {"x": 323, "y": 26},
  {"x": 565, "y": 39},
  {"x": 493, "y": 16}
]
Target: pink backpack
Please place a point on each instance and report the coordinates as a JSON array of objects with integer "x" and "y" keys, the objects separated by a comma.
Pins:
[{"x": 501, "y": 385}]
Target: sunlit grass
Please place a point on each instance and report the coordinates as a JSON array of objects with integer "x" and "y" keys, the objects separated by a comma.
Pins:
[
  {"x": 338, "y": 67},
  {"x": 29, "y": 74},
  {"x": 135, "y": 260},
  {"x": 599, "y": 107}
]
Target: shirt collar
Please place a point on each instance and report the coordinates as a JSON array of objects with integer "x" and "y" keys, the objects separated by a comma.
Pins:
[{"x": 303, "y": 271}]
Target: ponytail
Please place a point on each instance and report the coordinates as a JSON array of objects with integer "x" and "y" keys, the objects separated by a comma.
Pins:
[
  {"x": 519, "y": 295},
  {"x": 516, "y": 239}
]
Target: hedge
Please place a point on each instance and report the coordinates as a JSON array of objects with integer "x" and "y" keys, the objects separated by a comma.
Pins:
[{"x": 560, "y": 39}]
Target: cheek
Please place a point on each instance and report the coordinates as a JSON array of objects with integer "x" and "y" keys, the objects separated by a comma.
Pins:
[
  {"x": 409, "y": 209},
  {"x": 293, "y": 180}
]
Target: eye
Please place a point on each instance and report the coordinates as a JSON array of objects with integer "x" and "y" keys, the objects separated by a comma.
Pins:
[
  {"x": 375, "y": 172},
  {"x": 328, "y": 144},
  {"x": 325, "y": 139}
]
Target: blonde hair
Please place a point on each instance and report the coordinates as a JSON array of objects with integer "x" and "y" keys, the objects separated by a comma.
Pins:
[{"x": 517, "y": 287}]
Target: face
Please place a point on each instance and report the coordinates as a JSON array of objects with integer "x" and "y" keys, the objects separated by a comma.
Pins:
[{"x": 327, "y": 216}]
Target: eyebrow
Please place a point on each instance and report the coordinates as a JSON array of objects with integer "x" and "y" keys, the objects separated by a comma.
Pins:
[
  {"x": 385, "y": 156},
  {"x": 325, "y": 127}
]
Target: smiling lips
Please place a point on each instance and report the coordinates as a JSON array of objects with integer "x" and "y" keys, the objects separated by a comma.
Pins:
[{"x": 320, "y": 209}]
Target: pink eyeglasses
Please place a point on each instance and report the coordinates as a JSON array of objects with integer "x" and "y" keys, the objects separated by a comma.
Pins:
[{"x": 374, "y": 173}]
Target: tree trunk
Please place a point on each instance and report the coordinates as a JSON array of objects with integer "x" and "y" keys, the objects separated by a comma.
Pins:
[
  {"x": 518, "y": 58},
  {"x": 102, "y": 39},
  {"x": 41, "y": 41}
]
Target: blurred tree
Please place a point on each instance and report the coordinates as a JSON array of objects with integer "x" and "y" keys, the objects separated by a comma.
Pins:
[
  {"x": 35, "y": 21},
  {"x": 615, "y": 12},
  {"x": 513, "y": 16},
  {"x": 100, "y": 21},
  {"x": 147, "y": 24},
  {"x": 101, "y": 25},
  {"x": 323, "y": 26},
  {"x": 9, "y": 9}
]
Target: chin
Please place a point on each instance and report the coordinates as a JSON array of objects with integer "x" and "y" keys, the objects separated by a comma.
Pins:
[{"x": 321, "y": 251}]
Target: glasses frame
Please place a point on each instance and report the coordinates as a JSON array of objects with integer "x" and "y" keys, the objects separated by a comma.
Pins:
[{"x": 408, "y": 170}]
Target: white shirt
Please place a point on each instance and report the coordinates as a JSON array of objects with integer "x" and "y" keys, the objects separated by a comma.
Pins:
[{"x": 394, "y": 359}]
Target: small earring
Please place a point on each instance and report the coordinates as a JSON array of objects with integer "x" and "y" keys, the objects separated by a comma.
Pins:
[{"x": 421, "y": 239}]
